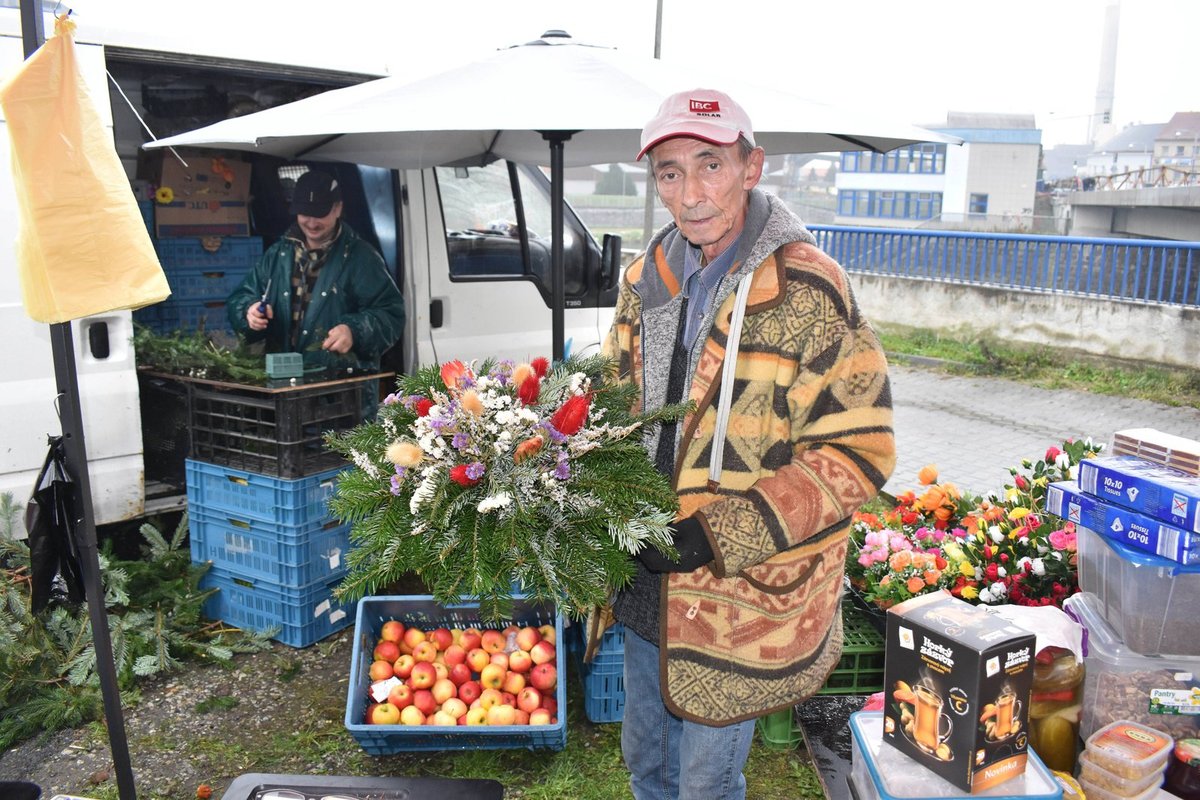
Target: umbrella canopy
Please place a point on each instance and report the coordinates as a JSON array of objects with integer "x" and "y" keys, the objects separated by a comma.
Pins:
[{"x": 589, "y": 103}]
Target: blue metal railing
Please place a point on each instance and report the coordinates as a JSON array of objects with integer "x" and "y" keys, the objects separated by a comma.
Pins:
[{"x": 1154, "y": 271}]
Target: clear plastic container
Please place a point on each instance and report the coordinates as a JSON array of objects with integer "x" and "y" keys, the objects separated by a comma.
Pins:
[
  {"x": 1122, "y": 684},
  {"x": 881, "y": 772},
  {"x": 1094, "y": 792},
  {"x": 1056, "y": 705},
  {"x": 1129, "y": 750},
  {"x": 1152, "y": 603},
  {"x": 1108, "y": 780},
  {"x": 1183, "y": 771}
]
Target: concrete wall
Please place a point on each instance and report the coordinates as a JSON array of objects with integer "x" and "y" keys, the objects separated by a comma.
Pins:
[{"x": 1167, "y": 335}]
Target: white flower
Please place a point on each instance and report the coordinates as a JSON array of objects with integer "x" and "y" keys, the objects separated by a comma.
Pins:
[
  {"x": 985, "y": 595},
  {"x": 1073, "y": 473},
  {"x": 996, "y": 534},
  {"x": 1039, "y": 568},
  {"x": 1043, "y": 549},
  {"x": 978, "y": 574},
  {"x": 1062, "y": 461},
  {"x": 999, "y": 590},
  {"x": 494, "y": 501},
  {"x": 1022, "y": 562},
  {"x": 1001, "y": 571},
  {"x": 364, "y": 463}
]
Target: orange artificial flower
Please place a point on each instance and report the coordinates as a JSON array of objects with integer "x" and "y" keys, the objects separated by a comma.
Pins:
[
  {"x": 928, "y": 474},
  {"x": 520, "y": 373},
  {"x": 471, "y": 403},
  {"x": 452, "y": 373},
  {"x": 899, "y": 560},
  {"x": 528, "y": 448},
  {"x": 915, "y": 584},
  {"x": 931, "y": 576}
]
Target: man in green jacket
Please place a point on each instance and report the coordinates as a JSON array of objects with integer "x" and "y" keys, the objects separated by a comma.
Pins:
[
  {"x": 734, "y": 307},
  {"x": 320, "y": 290}
]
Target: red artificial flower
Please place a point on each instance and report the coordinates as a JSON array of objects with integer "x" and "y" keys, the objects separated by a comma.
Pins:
[
  {"x": 423, "y": 405},
  {"x": 992, "y": 572},
  {"x": 940, "y": 562},
  {"x": 1052, "y": 454},
  {"x": 1004, "y": 558},
  {"x": 909, "y": 517},
  {"x": 1021, "y": 483},
  {"x": 541, "y": 366},
  {"x": 459, "y": 475},
  {"x": 452, "y": 372},
  {"x": 529, "y": 389},
  {"x": 570, "y": 418}
]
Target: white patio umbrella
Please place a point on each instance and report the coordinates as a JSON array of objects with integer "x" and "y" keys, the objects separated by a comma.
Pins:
[{"x": 522, "y": 103}]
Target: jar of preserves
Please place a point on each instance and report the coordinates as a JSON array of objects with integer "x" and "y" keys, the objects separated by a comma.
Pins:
[
  {"x": 1183, "y": 770},
  {"x": 1055, "y": 706}
]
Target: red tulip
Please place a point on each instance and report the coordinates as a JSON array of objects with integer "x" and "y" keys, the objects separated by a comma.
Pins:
[
  {"x": 529, "y": 389},
  {"x": 459, "y": 475},
  {"x": 570, "y": 418},
  {"x": 1021, "y": 483}
]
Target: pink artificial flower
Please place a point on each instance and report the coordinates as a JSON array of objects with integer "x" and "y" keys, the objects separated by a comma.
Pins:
[{"x": 1052, "y": 454}]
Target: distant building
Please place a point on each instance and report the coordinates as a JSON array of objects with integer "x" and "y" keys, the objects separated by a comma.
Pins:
[
  {"x": 1178, "y": 142},
  {"x": 1131, "y": 149},
  {"x": 990, "y": 181}
]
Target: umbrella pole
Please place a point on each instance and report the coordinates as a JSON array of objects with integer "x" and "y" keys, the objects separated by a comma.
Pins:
[
  {"x": 557, "y": 269},
  {"x": 84, "y": 533}
]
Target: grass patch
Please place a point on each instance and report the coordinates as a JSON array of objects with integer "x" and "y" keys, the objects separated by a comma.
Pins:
[
  {"x": 217, "y": 703},
  {"x": 1046, "y": 367}
]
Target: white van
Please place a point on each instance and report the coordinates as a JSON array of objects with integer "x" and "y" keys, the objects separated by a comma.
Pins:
[{"x": 469, "y": 247}]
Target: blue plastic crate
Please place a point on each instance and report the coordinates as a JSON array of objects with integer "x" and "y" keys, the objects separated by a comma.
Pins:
[
  {"x": 185, "y": 315},
  {"x": 228, "y": 252},
  {"x": 204, "y": 283},
  {"x": 422, "y": 611},
  {"x": 297, "y": 501},
  {"x": 146, "y": 207},
  {"x": 604, "y": 677},
  {"x": 305, "y": 615},
  {"x": 285, "y": 554}
]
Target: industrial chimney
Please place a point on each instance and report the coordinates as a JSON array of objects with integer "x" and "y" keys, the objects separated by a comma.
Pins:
[{"x": 1101, "y": 126}]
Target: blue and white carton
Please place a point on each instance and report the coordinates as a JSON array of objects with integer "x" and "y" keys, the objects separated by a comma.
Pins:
[
  {"x": 1066, "y": 499},
  {"x": 1143, "y": 486}
]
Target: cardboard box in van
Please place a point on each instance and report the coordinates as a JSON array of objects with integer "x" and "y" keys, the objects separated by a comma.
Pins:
[{"x": 208, "y": 197}]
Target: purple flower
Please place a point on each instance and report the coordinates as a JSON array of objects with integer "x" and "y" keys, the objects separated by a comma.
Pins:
[
  {"x": 459, "y": 440},
  {"x": 391, "y": 399},
  {"x": 396, "y": 485},
  {"x": 475, "y": 470},
  {"x": 410, "y": 400},
  {"x": 553, "y": 433},
  {"x": 562, "y": 470}
]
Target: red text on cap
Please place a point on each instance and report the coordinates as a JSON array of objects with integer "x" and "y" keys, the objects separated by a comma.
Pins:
[{"x": 704, "y": 106}]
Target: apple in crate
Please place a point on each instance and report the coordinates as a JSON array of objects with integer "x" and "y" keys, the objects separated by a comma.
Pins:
[
  {"x": 454, "y": 654},
  {"x": 470, "y": 639},
  {"x": 469, "y": 692},
  {"x": 392, "y": 631},
  {"x": 383, "y": 714},
  {"x": 493, "y": 641},
  {"x": 548, "y": 633},
  {"x": 413, "y": 637},
  {"x": 412, "y": 716},
  {"x": 441, "y": 638},
  {"x": 454, "y": 707},
  {"x": 459, "y": 674},
  {"x": 540, "y": 716},
  {"x": 492, "y": 676},
  {"x": 478, "y": 658},
  {"x": 387, "y": 651},
  {"x": 425, "y": 651},
  {"x": 489, "y": 698},
  {"x": 514, "y": 682},
  {"x": 401, "y": 696},
  {"x": 529, "y": 700},
  {"x": 423, "y": 675},
  {"x": 527, "y": 637},
  {"x": 501, "y": 714},
  {"x": 424, "y": 701},
  {"x": 520, "y": 661},
  {"x": 543, "y": 676},
  {"x": 443, "y": 717},
  {"x": 443, "y": 689},
  {"x": 403, "y": 666},
  {"x": 381, "y": 670},
  {"x": 476, "y": 716},
  {"x": 543, "y": 652}
]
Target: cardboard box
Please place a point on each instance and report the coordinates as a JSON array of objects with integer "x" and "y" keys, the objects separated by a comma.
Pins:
[
  {"x": 210, "y": 196},
  {"x": 958, "y": 680},
  {"x": 1143, "y": 486},
  {"x": 1167, "y": 449},
  {"x": 1067, "y": 499}
]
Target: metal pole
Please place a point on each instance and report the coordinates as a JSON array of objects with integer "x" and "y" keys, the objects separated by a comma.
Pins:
[
  {"x": 648, "y": 215},
  {"x": 63, "y": 348},
  {"x": 558, "y": 297}
]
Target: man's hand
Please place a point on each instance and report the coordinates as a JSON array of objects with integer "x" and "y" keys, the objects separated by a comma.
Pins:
[
  {"x": 690, "y": 541},
  {"x": 256, "y": 319},
  {"x": 339, "y": 340}
]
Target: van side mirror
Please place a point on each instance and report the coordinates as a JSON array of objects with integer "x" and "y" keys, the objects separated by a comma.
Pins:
[{"x": 610, "y": 261}]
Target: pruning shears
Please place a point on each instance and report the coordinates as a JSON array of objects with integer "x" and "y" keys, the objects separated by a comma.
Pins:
[{"x": 262, "y": 304}]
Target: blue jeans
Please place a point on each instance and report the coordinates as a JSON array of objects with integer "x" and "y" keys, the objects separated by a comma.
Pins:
[{"x": 671, "y": 758}]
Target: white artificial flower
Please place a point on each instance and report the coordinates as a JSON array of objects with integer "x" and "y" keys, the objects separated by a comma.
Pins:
[
  {"x": 1062, "y": 461},
  {"x": 1002, "y": 572},
  {"x": 1039, "y": 567},
  {"x": 493, "y": 502},
  {"x": 999, "y": 590},
  {"x": 985, "y": 595},
  {"x": 364, "y": 463},
  {"x": 1022, "y": 562},
  {"x": 1043, "y": 549},
  {"x": 996, "y": 534}
]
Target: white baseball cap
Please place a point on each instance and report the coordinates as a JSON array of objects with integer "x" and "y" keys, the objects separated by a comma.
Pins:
[{"x": 701, "y": 114}]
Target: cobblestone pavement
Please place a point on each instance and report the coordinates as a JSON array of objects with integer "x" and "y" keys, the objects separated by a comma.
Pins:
[{"x": 973, "y": 428}]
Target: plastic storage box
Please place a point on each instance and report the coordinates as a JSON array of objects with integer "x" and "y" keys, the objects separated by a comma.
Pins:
[
  {"x": 604, "y": 677},
  {"x": 291, "y": 555},
  {"x": 1121, "y": 684},
  {"x": 303, "y": 615},
  {"x": 422, "y": 611},
  {"x": 882, "y": 772},
  {"x": 860, "y": 669},
  {"x": 297, "y": 501},
  {"x": 1098, "y": 777},
  {"x": 210, "y": 252},
  {"x": 1152, "y": 604}
]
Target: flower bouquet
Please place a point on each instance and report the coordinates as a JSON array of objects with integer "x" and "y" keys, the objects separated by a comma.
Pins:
[
  {"x": 510, "y": 477},
  {"x": 997, "y": 549}
]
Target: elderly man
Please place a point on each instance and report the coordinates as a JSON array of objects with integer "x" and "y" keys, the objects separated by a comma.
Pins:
[
  {"x": 734, "y": 307},
  {"x": 320, "y": 290}
]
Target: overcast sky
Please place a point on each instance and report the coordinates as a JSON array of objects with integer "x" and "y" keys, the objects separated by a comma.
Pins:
[{"x": 915, "y": 59}]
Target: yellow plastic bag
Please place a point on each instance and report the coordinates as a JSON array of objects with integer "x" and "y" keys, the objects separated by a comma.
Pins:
[{"x": 82, "y": 248}]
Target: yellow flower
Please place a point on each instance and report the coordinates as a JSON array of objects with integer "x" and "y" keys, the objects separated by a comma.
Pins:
[
  {"x": 404, "y": 454},
  {"x": 164, "y": 195},
  {"x": 969, "y": 592},
  {"x": 966, "y": 570},
  {"x": 952, "y": 550},
  {"x": 1017, "y": 513}
]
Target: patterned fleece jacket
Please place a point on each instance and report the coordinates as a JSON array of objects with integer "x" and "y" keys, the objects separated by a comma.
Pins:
[{"x": 809, "y": 440}]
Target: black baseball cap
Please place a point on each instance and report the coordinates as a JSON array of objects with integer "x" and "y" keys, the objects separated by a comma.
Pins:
[{"x": 315, "y": 194}]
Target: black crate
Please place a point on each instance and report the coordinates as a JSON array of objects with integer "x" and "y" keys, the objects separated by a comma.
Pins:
[
  {"x": 166, "y": 429},
  {"x": 279, "y": 434}
]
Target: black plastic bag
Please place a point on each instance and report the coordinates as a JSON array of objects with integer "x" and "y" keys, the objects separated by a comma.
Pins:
[{"x": 50, "y": 520}]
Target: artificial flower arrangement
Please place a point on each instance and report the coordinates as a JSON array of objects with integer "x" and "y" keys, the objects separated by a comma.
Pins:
[
  {"x": 1001, "y": 548},
  {"x": 509, "y": 477}
]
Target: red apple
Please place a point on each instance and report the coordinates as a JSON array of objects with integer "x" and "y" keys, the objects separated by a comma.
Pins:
[
  {"x": 412, "y": 716},
  {"x": 442, "y": 670},
  {"x": 514, "y": 682},
  {"x": 400, "y": 696},
  {"x": 519, "y": 661},
  {"x": 454, "y": 654},
  {"x": 502, "y": 714},
  {"x": 387, "y": 651},
  {"x": 469, "y": 639},
  {"x": 527, "y": 637},
  {"x": 425, "y": 651},
  {"x": 384, "y": 714},
  {"x": 478, "y": 658},
  {"x": 529, "y": 700},
  {"x": 543, "y": 676},
  {"x": 543, "y": 652},
  {"x": 392, "y": 631},
  {"x": 413, "y": 637},
  {"x": 550, "y": 703},
  {"x": 500, "y": 658},
  {"x": 522, "y": 717},
  {"x": 423, "y": 675},
  {"x": 490, "y": 697},
  {"x": 443, "y": 689},
  {"x": 441, "y": 717},
  {"x": 469, "y": 692},
  {"x": 492, "y": 676},
  {"x": 492, "y": 641},
  {"x": 441, "y": 637},
  {"x": 381, "y": 670},
  {"x": 404, "y": 664},
  {"x": 424, "y": 701},
  {"x": 540, "y": 716},
  {"x": 459, "y": 674},
  {"x": 510, "y": 629}
]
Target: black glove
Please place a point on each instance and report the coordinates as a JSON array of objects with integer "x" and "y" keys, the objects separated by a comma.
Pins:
[{"x": 690, "y": 541}]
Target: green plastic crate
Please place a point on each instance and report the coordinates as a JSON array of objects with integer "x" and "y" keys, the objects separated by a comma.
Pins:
[
  {"x": 779, "y": 731},
  {"x": 860, "y": 670}
]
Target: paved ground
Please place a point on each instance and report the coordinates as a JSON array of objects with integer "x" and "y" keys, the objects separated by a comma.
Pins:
[{"x": 973, "y": 429}]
